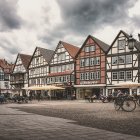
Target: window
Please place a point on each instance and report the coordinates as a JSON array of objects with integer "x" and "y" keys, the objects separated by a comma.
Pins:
[
  {"x": 97, "y": 60},
  {"x": 61, "y": 56},
  {"x": 82, "y": 62},
  {"x": 51, "y": 69},
  {"x": 92, "y": 75},
  {"x": 128, "y": 59},
  {"x": 128, "y": 75},
  {"x": 121, "y": 75},
  {"x": 121, "y": 59},
  {"x": 38, "y": 81},
  {"x": 87, "y": 62},
  {"x": 86, "y": 76},
  {"x": 97, "y": 75},
  {"x": 115, "y": 75},
  {"x": 87, "y": 49},
  {"x": 114, "y": 60},
  {"x": 121, "y": 44},
  {"x": 63, "y": 67},
  {"x": 82, "y": 76},
  {"x": 92, "y": 48},
  {"x": 59, "y": 68},
  {"x": 91, "y": 61}
]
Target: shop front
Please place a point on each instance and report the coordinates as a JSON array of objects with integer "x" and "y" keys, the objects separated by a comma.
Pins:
[{"x": 84, "y": 91}]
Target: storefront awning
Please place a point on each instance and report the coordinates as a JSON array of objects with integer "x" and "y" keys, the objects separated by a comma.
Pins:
[
  {"x": 84, "y": 86},
  {"x": 49, "y": 87}
]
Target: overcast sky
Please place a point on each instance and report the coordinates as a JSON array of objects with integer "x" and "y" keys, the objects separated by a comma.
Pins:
[{"x": 25, "y": 24}]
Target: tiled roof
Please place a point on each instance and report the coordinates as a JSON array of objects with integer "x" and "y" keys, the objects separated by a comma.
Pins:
[
  {"x": 137, "y": 44},
  {"x": 5, "y": 65},
  {"x": 72, "y": 50},
  {"x": 25, "y": 59},
  {"x": 60, "y": 73},
  {"x": 102, "y": 44},
  {"x": 47, "y": 54}
]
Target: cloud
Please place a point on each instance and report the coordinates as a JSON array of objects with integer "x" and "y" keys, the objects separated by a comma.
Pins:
[
  {"x": 80, "y": 18},
  {"x": 9, "y": 19},
  {"x": 90, "y": 15}
]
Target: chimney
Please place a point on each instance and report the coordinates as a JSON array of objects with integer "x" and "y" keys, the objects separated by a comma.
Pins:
[{"x": 139, "y": 36}]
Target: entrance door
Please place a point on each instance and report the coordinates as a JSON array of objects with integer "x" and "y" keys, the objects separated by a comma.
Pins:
[{"x": 96, "y": 91}]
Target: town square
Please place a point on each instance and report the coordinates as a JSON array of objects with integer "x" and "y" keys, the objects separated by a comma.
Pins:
[{"x": 69, "y": 70}]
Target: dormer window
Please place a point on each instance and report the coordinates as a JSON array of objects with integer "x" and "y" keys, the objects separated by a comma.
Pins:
[{"x": 121, "y": 44}]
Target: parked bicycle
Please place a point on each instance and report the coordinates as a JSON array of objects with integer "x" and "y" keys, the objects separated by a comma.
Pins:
[
  {"x": 137, "y": 99},
  {"x": 124, "y": 102}
]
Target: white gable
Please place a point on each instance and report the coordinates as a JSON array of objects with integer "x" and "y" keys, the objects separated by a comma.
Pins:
[
  {"x": 37, "y": 60},
  {"x": 61, "y": 55},
  {"x": 19, "y": 66}
]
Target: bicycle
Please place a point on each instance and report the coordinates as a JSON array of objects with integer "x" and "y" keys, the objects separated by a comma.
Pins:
[
  {"x": 137, "y": 99},
  {"x": 126, "y": 103}
]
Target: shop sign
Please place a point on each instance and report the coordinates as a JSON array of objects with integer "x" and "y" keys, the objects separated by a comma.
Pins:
[{"x": 88, "y": 82}]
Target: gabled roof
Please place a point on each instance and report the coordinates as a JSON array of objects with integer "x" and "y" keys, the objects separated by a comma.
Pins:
[
  {"x": 25, "y": 59},
  {"x": 137, "y": 45},
  {"x": 71, "y": 49},
  {"x": 100, "y": 43},
  {"x": 121, "y": 31},
  {"x": 5, "y": 65},
  {"x": 46, "y": 53}
]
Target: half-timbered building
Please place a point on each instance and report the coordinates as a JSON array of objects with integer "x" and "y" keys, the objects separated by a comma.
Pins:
[
  {"x": 5, "y": 70},
  {"x": 123, "y": 62},
  {"x": 39, "y": 66},
  {"x": 19, "y": 75},
  {"x": 62, "y": 71},
  {"x": 91, "y": 68}
]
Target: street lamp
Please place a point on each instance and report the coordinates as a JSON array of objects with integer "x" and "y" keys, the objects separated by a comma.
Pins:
[{"x": 131, "y": 42}]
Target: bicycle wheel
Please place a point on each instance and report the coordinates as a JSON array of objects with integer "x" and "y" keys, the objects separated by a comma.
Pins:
[
  {"x": 116, "y": 105},
  {"x": 128, "y": 105},
  {"x": 138, "y": 101}
]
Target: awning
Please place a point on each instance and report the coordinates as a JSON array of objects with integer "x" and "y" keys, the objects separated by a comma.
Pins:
[
  {"x": 49, "y": 87},
  {"x": 128, "y": 84},
  {"x": 96, "y": 85}
]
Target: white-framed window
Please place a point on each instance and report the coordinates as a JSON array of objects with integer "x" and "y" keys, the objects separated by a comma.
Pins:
[
  {"x": 114, "y": 60},
  {"x": 87, "y": 76},
  {"x": 97, "y": 60},
  {"x": 121, "y": 59},
  {"x": 92, "y": 61},
  {"x": 63, "y": 68},
  {"x": 87, "y": 62},
  {"x": 121, "y": 75},
  {"x": 82, "y": 62},
  {"x": 114, "y": 75},
  {"x": 91, "y": 75},
  {"x": 121, "y": 44},
  {"x": 82, "y": 76},
  {"x": 92, "y": 48},
  {"x": 128, "y": 59},
  {"x": 59, "y": 68},
  {"x": 87, "y": 49},
  {"x": 97, "y": 75},
  {"x": 128, "y": 75}
]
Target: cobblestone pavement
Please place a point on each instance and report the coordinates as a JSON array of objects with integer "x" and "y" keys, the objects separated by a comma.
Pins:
[{"x": 20, "y": 125}]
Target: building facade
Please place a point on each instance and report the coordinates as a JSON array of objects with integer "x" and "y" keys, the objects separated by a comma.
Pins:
[
  {"x": 91, "y": 68},
  {"x": 122, "y": 63},
  {"x": 62, "y": 68},
  {"x": 19, "y": 75},
  {"x": 5, "y": 70},
  {"x": 38, "y": 67}
]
